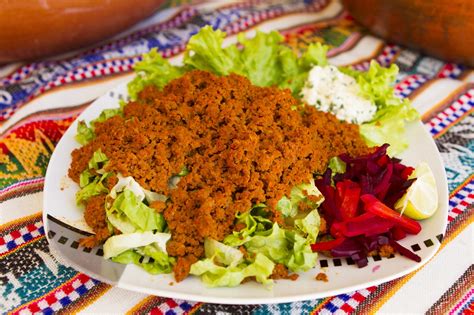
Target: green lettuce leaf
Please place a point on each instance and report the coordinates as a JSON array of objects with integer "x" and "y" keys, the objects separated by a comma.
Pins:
[
  {"x": 272, "y": 243},
  {"x": 288, "y": 247},
  {"x": 261, "y": 269},
  {"x": 315, "y": 55},
  {"x": 388, "y": 125},
  {"x": 97, "y": 160},
  {"x": 120, "y": 221},
  {"x": 205, "y": 52},
  {"x": 214, "y": 275},
  {"x": 86, "y": 178},
  {"x": 152, "y": 70},
  {"x": 92, "y": 179},
  {"x": 118, "y": 244},
  {"x": 289, "y": 206},
  {"x": 84, "y": 133},
  {"x": 337, "y": 165},
  {"x": 377, "y": 84},
  {"x": 184, "y": 171},
  {"x": 255, "y": 222},
  {"x": 295, "y": 69},
  {"x": 128, "y": 213},
  {"x": 222, "y": 253},
  {"x": 127, "y": 183},
  {"x": 159, "y": 255},
  {"x": 301, "y": 256},
  {"x": 131, "y": 184},
  {"x": 309, "y": 225},
  {"x": 93, "y": 188},
  {"x": 286, "y": 207},
  {"x": 140, "y": 242},
  {"x": 260, "y": 58},
  {"x": 161, "y": 262}
]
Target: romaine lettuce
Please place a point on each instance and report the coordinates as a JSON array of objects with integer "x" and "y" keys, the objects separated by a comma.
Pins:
[
  {"x": 337, "y": 165},
  {"x": 263, "y": 59},
  {"x": 388, "y": 125},
  {"x": 92, "y": 179},
  {"x": 156, "y": 262},
  {"x": 224, "y": 266},
  {"x": 223, "y": 254},
  {"x": 93, "y": 188},
  {"x": 205, "y": 52},
  {"x": 288, "y": 247},
  {"x": 97, "y": 160},
  {"x": 301, "y": 257},
  {"x": 86, "y": 133},
  {"x": 254, "y": 222},
  {"x": 309, "y": 225},
  {"x": 299, "y": 193},
  {"x": 128, "y": 212},
  {"x": 118, "y": 244},
  {"x": 152, "y": 70}
]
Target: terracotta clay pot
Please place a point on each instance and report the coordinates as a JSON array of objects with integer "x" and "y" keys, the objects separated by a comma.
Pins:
[
  {"x": 36, "y": 28},
  {"x": 442, "y": 28}
]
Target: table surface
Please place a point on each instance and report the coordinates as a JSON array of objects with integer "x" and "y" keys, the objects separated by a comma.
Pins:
[{"x": 38, "y": 101}]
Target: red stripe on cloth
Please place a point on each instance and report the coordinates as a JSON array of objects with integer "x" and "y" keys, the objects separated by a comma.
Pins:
[
  {"x": 15, "y": 234},
  {"x": 16, "y": 237},
  {"x": 156, "y": 311},
  {"x": 171, "y": 303},
  {"x": 347, "y": 308},
  {"x": 358, "y": 297},
  {"x": 469, "y": 310}
]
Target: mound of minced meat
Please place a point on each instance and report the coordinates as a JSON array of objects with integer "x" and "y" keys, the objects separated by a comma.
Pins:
[{"x": 242, "y": 145}]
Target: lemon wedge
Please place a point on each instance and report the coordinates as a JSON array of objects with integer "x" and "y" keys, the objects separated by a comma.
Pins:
[{"x": 421, "y": 199}]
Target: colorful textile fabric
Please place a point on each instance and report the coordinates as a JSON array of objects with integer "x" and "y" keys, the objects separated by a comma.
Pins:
[{"x": 39, "y": 100}]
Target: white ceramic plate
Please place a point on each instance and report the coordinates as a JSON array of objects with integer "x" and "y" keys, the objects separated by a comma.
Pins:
[{"x": 64, "y": 225}]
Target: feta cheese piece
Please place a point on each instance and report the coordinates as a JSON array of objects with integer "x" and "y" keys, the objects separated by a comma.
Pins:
[{"x": 330, "y": 90}]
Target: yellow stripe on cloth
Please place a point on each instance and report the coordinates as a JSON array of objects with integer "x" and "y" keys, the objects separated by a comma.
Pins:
[
  {"x": 19, "y": 222},
  {"x": 143, "y": 303},
  {"x": 194, "y": 308}
]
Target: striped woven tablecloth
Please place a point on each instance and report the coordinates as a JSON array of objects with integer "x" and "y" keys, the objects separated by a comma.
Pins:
[{"x": 38, "y": 101}]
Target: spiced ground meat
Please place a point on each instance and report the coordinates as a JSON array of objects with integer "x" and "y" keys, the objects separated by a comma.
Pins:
[
  {"x": 322, "y": 277},
  {"x": 242, "y": 145},
  {"x": 281, "y": 272},
  {"x": 95, "y": 217}
]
